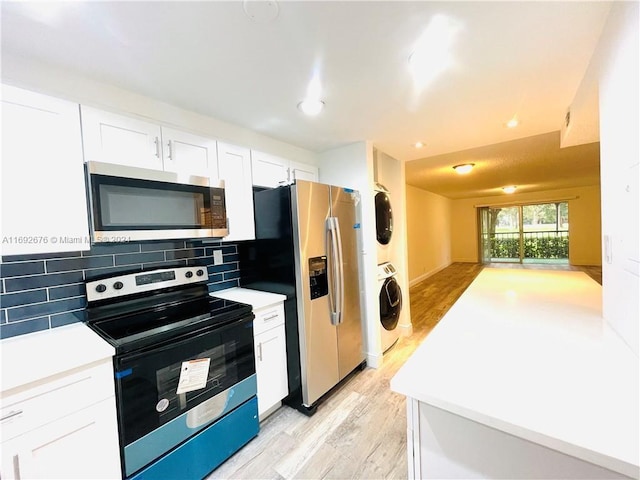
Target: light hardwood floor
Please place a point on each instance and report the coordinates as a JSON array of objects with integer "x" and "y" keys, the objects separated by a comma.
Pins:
[{"x": 360, "y": 431}]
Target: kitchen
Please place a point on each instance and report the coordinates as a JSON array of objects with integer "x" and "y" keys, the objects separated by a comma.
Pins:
[{"x": 64, "y": 275}]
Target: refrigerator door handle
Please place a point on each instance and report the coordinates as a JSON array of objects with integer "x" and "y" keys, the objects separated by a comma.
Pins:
[
  {"x": 337, "y": 284},
  {"x": 334, "y": 280}
]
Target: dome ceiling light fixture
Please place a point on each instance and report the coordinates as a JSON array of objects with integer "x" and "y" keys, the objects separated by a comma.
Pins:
[
  {"x": 311, "y": 107},
  {"x": 418, "y": 144},
  {"x": 509, "y": 189},
  {"x": 463, "y": 168}
]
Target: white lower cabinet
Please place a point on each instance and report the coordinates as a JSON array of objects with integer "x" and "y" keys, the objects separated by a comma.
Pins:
[
  {"x": 83, "y": 445},
  {"x": 270, "y": 344},
  {"x": 62, "y": 428},
  {"x": 271, "y": 357},
  {"x": 271, "y": 369}
]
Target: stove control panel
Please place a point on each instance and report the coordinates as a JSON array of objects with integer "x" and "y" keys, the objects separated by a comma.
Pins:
[{"x": 121, "y": 285}]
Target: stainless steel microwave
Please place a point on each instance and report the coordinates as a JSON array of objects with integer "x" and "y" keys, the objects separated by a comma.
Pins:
[{"x": 133, "y": 204}]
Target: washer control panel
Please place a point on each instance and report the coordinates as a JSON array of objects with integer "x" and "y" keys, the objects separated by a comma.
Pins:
[{"x": 386, "y": 270}]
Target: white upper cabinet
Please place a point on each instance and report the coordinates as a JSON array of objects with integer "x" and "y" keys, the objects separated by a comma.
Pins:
[
  {"x": 301, "y": 171},
  {"x": 234, "y": 167},
  {"x": 113, "y": 138},
  {"x": 44, "y": 206},
  {"x": 185, "y": 152},
  {"x": 271, "y": 171}
]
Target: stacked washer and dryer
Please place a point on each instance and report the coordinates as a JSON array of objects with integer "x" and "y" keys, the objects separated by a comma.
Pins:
[{"x": 390, "y": 295}]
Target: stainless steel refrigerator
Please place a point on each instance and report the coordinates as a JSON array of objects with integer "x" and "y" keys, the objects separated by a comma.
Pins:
[{"x": 307, "y": 248}]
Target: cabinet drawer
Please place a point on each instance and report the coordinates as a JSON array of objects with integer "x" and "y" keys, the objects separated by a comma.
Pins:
[
  {"x": 268, "y": 317},
  {"x": 54, "y": 399}
]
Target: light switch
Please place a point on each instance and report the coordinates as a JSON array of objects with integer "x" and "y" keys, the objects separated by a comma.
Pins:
[{"x": 217, "y": 257}]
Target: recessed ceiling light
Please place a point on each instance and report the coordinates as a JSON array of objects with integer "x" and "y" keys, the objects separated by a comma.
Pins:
[
  {"x": 311, "y": 107},
  {"x": 463, "y": 168},
  {"x": 418, "y": 144},
  {"x": 509, "y": 189},
  {"x": 513, "y": 123}
]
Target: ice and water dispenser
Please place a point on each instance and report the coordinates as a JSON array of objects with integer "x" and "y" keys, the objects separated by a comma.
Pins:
[{"x": 318, "y": 277}]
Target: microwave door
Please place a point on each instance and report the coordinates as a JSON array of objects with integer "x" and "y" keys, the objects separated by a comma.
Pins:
[{"x": 133, "y": 204}]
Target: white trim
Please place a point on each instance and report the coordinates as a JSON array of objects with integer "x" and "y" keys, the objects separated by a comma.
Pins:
[
  {"x": 374, "y": 360},
  {"x": 424, "y": 276}
]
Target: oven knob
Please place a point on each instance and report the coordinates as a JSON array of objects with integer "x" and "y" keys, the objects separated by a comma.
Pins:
[
  {"x": 199, "y": 272},
  {"x": 101, "y": 287},
  {"x": 189, "y": 274},
  {"x": 118, "y": 285}
]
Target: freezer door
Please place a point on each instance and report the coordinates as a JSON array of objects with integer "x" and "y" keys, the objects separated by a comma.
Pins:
[
  {"x": 317, "y": 336},
  {"x": 350, "y": 351}
]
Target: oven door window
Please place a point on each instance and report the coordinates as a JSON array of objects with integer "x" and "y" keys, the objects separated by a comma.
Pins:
[
  {"x": 133, "y": 204},
  {"x": 148, "y": 382}
]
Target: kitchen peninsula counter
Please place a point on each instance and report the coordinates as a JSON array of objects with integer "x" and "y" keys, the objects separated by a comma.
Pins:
[{"x": 522, "y": 378}]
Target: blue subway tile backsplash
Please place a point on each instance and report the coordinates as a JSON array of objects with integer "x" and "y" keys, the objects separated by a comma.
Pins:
[{"x": 41, "y": 291}]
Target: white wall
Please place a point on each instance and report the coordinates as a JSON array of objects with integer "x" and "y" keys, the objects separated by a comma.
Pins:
[
  {"x": 620, "y": 153},
  {"x": 428, "y": 233},
  {"x": 65, "y": 84},
  {"x": 584, "y": 222}
]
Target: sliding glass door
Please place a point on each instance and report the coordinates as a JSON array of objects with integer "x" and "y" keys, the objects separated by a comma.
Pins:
[{"x": 536, "y": 233}]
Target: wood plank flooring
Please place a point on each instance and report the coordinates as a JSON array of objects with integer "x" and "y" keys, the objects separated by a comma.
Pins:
[{"x": 360, "y": 431}]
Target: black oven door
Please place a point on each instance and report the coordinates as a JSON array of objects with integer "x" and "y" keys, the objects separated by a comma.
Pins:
[{"x": 170, "y": 392}]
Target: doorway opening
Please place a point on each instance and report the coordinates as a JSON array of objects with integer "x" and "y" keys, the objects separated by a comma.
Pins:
[{"x": 532, "y": 233}]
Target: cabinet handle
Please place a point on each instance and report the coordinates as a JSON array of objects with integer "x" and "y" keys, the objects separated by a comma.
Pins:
[
  {"x": 266, "y": 319},
  {"x": 260, "y": 351},
  {"x": 157, "y": 142},
  {"x": 170, "y": 145},
  {"x": 16, "y": 467},
  {"x": 11, "y": 414}
]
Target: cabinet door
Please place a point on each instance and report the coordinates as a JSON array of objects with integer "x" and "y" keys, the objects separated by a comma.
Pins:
[
  {"x": 43, "y": 186},
  {"x": 113, "y": 138},
  {"x": 301, "y": 171},
  {"x": 234, "y": 167},
  {"x": 80, "y": 446},
  {"x": 271, "y": 368},
  {"x": 190, "y": 154},
  {"x": 269, "y": 170}
]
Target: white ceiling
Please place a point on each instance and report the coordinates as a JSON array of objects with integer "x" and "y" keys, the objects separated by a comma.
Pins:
[{"x": 509, "y": 58}]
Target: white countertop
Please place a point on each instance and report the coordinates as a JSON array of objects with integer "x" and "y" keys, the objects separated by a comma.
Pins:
[
  {"x": 35, "y": 356},
  {"x": 527, "y": 352},
  {"x": 256, "y": 298}
]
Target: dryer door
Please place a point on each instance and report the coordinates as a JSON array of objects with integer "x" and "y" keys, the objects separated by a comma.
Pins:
[
  {"x": 384, "y": 218},
  {"x": 390, "y": 303}
]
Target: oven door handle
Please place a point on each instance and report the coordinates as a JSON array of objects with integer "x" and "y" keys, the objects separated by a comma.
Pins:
[{"x": 182, "y": 339}]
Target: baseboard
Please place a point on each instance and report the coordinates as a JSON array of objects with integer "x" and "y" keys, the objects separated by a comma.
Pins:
[
  {"x": 374, "y": 360},
  {"x": 405, "y": 330},
  {"x": 424, "y": 276}
]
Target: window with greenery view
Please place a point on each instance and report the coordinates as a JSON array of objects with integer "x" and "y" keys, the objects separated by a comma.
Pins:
[{"x": 537, "y": 233}]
